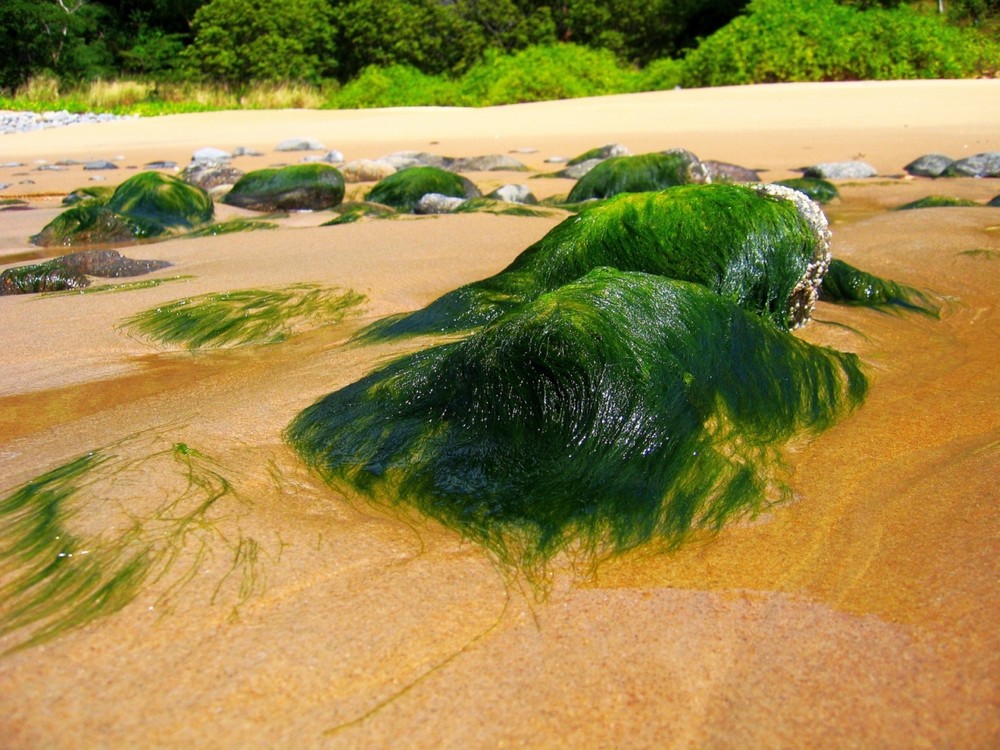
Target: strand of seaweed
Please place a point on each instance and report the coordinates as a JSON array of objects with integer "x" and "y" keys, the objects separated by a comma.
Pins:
[
  {"x": 246, "y": 316},
  {"x": 84, "y": 539}
]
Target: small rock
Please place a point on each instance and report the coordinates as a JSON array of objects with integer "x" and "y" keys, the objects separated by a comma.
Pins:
[
  {"x": 4, "y": 185},
  {"x": 330, "y": 157},
  {"x": 995, "y": 202},
  {"x": 161, "y": 165},
  {"x": 436, "y": 203},
  {"x": 513, "y": 193},
  {"x": 556, "y": 159},
  {"x": 299, "y": 144},
  {"x": 100, "y": 164},
  {"x": 929, "y": 165},
  {"x": 720, "y": 171},
  {"x": 244, "y": 151},
  {"x": 986, "y": 164},
  {"x": 524, "y": 150},
  {"x": 404, "y": 159},
  {"x": 98, "y": 178},
  {"x": 576, "y": 171},
  {"x": 841, "y": 170},
  {"x": 211, "y": 154},
  {"x": 488, "y": 163},
  {"x": 366, "y": 170},
  {"x": 51, "y": 168},
  {"x": 209, "y": 174}
]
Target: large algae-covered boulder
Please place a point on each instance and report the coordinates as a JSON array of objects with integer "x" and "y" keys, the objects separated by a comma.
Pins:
[
  {"x": 618, "y": 409},
  {"x": 845, "y": 284},
  {"x": 404, "y": 189},
  {"x": 637, "y": 174},
  {"x": 145, "y": 206},
  {"x": 763, "y": 247},
  {"x": 300, "y": 187}
]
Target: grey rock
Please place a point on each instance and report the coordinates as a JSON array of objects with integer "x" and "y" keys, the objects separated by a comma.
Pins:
[
  {"x": 986, "y": 164},
  {"x": 404, "y": 159},
  {"x": 299, "y": 144},
  {"x": 4, "y": 185},
  {"x": 209, "y": 154},
  {"x": 720, "y": 171},
  {"x": 487, "y": 163},
  {"x": 514, "y": 193},
  {"x": 524, "y": 150},
  {"x": 929, "y": 165},
  {"x": 245, "y": 151},
  {"x": 11, "y": 165},
  {"x": 161, "y": 165},
  {"x": 98, "y": 178},
  {"x": 99, "y": 164},
  {"x": 995, "y": 202},
  {"x": 556, "y": 159},
  {"x": 208, "y": 175},
  {"x": 68, "y": 163},
  {"x": 366, "y": 170},
  {"x": 50, "y": 168},
  {"x": 841, "y": 170},
  {"x": 435, "y": 203},
  {"x": 330, "y": 157},
  {"x": 576, "y": 171}
]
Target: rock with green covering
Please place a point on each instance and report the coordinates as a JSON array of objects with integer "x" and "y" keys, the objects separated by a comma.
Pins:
[
  {"x": 91, "y": 193},
  {"x": 145, "y": 206},
  {"x": 404, "y": 189},
  {"x": 637, "y": 174},
  {"x": 820, "y": 190},
  {"x": 616, "y": 410},
  {"x": 300, "y": 187},
  {"x": 764, "y": 247},
  {"x": 845, "y": 284},
  {"x": 600, "y": 153},
  {"x": 71, "y": 271},
  {"x": 938, "y": 201}
]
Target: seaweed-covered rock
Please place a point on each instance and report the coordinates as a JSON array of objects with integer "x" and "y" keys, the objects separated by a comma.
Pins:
[
  {"x": 619, "y": 409},
  {"x": 928, "y": 165},
  {"x": 71, "y": 271},
  {"x": 765, "y": 247},
  {"x": 404, "y": 189},
  {"x": 637, "y": 174},
  {"x": 578, "y": 170},
  {"x": 513, "y": 193},
  {"x": 819, "y": 190},
  {"x": 145, "y": 206},
  {"x": 721, "y": 171},
  {"x": 845, "y": 284},
  {"x": 937, "y": 201},
  {"x": 300, "y": 187},
  {"x": 92, "y": 193},
  {"x": 841, "y": 170},
  {"x": 986, "y": 164}
]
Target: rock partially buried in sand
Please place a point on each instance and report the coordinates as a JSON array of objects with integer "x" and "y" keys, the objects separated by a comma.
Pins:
[
  {"x": 929, "y": 165},
  {"x": 300, "y": 144},
  {"x": 986, "y": 164},
  {"x": 145, "y": 206},
  {"x": 819, "y": 190},
  {"x": 616, "y": 410},
  {"x": 721, "y": 171},
  {"x": 366, "y": 170},
  {"x": 435, "y": 203},
  {"x": 638, "y": 174},
  {"x": 764, "y": 247},
  {"x": 404, "y": 189},
  {"x": 300, "y": 187},
  {"x": 209, "y": 175},
  {"x": 938, "y": 201},
  {"x": 71, "y": 271},
  {"x": 513, "y": 193},
  {"x": 841, "y": 170}
]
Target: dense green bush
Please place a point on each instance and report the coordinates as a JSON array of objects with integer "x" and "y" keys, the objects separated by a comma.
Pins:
[
  {"x": 821, "y": 40},
  {"x": 395, "y": 86},
  {"x": 241, "y": 41}
]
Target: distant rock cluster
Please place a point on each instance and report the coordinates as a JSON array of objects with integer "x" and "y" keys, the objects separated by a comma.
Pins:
[{"x": 22, "y": 122}]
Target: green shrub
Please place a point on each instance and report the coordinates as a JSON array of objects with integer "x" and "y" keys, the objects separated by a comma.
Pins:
[
  {"x": 395, "y": 86},
  {"x": 821, "y": 40}
]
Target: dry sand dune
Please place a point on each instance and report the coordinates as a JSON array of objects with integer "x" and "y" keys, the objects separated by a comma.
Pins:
[{"x": 861, "y": 614}]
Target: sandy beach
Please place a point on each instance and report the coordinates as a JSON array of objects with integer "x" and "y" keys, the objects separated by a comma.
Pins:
[{"x": 861, "y": 614}]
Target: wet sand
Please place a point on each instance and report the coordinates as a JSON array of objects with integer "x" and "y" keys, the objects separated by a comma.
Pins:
[{"x": 861, "y": 614}]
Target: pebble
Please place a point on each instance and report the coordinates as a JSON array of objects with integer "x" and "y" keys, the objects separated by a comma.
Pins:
[{"x": 23, "y": 122}]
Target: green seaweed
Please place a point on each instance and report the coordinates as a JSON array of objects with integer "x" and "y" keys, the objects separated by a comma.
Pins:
[
  {"x": 404, "y": 189},
  {"x": 128, "y": 286},
  {"x": 638, "y": 174},
  {"x": 937, "y": 201},
  {"x": 246, "y": 316},
  {"x": 616, "y": 410},
  {"x": 89, "y": 194},
  {"x": 487, "y": 205},
  {"x": 845, "y": 284},
  {"x": 57, "y": 574},
  {"x": 763, "y": 247},
  {"x": 982, "y": 252},
  {"x": 355, "y": 210},
  {"x": 820, "y": 190},
  {"x": 231, "y": 226},
  {"x": 297, "y": 187}
]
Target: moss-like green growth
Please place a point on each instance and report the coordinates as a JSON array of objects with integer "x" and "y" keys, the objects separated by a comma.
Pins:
[
  {"x": 981, "y": 252},
  {"x": 246, "y": 316},
  {"x": 92, "y": 193},
  {"x": 488, "y": 206},
  {"x": 59, "y": 569},
  {"x": 145, "y": 206},
  {"x": 404, "y": 189},
  {"x": 938, "y": 201},
  {"x": 300, "y": 187},
  {"x": 638, "y": 174},
  {"x": 128, "y": 286},
  {"x": 763, "y": 247},
  {"x": 233, "y": 225},
  {"x": 846, "y": 284},
  {"x": 820, "y": 190},
  {"x": 355, "y": 210},
  {"x": 616, "y": 410}
]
